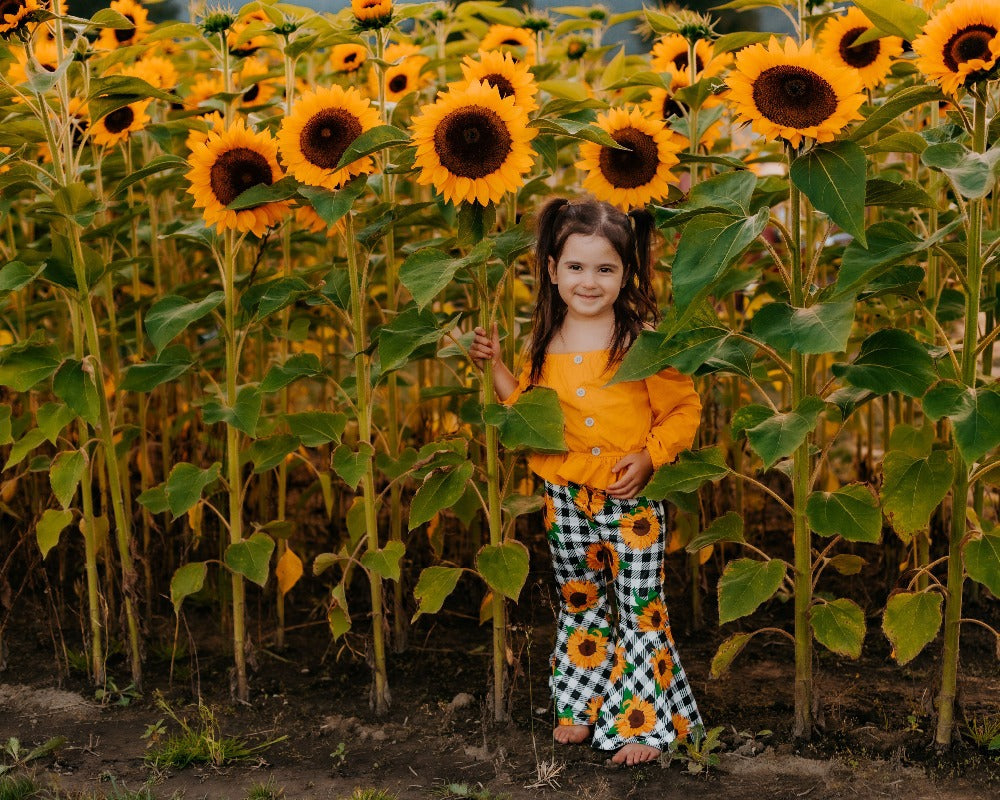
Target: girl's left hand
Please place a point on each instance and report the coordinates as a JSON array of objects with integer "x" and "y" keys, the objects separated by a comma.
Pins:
[{"x": 635, "y": 469}]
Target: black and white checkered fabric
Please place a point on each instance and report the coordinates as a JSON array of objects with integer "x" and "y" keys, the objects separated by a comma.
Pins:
[{"x": 611, "y": 595}]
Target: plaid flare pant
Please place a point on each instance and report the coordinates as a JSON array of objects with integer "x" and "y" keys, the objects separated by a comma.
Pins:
[{"x": 614, "y": 666}]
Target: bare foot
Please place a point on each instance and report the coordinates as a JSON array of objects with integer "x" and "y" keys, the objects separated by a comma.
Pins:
[
  {"x": 571, "y": 734},
  {"x": 635, "y": 753}
]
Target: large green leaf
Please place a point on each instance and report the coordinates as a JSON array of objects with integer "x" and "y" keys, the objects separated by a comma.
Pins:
[
  {"x": 20, "y": 449},
  {"x": 727, "y": 653},
  {"x": 973, "y": 174},
  {"x": 300, "y": 365},
  {"x": 691, "y": 470},
  {"x": 727, "y": 528},
  {"x": 982, "y": 561},
  {"x": 851, "y": 512},
  {"x": 26, "y": 364},
  {"x": 187, "y": 580},
  {"x": 385, "y": 562},
  {"x": 243, "y": 416},
  {"x": 316, "y": 428},
  {"x": 730, "y": 191},
  {"x": 911, "y": 621},
  {"x": 504, "y": 567},
  {"x": 170, "y": 315},
  {"x": 117, "y": 91},
  {"x": 426, "y": 272},
  {"x": 441, "y": 489},
  {"x": 533, "y": 421},
  {"x": 378, "y": 138},
  {"x": 74, "y": 384},
  {"x": 65, "y": 474},
  {"x": 832, "y": 176},
  {"x": 913, "y": 487},
  {"x": 408, "y": 332},
  {"x": 894, "y": 16},
  {"x": 264, "y": 299},
  {"x": 820, "y": 328},
  {"x": 745, "y": 584},
  {"x": 685, "y": 351},
  {"x": 890, "y": 360},
  {"x": 182, "y": 489},
  {"x": 900, "y": 101},
  {"x": 839, "y": 626},
  {"x": 332, "y": 206},
  {"x": 433, "y": 587},
  {"x": 350, "y": 465},
  {"x": 16, "y": 275},
  {"x": 270, "y": 452},
  {"x": 974, "y": 415},
  {"x": 49, "y": 527},
  {"x": 169, "y": 365},
  {"x": 251, "y": 557},
  {"x": 917, "y": 442},
  {"x": 778, "y": 436}
]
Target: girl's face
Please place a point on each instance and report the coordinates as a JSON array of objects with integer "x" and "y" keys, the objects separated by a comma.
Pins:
[{"x": 588, "y": 276}]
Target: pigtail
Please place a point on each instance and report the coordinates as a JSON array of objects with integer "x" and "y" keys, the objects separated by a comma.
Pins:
[
  {"x": 549, "y": 309},
  {"x": 643, "y": 227}
]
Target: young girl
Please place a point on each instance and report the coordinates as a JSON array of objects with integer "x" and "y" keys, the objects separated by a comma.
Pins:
[{"x": 616, "y": 675}]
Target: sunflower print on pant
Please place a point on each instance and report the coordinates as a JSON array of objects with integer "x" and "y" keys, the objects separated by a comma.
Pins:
[{"x": 615, "y": 665}]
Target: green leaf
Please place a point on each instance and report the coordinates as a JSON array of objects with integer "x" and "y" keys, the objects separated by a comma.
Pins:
[
  {"x": 727, "y": 528},
  {"x": 839, "y": 626},
  {"x": 974, "y": 415},
  {"x": 16, "y": 275},
  {"x": 264, "y": 299},
  {"x": 686, "y": 351},
  {"x": 475, "y": 222},
  {"x": 334, "y": 206},
  {"x": 982, "y": 561},
  {"x": 917, "y": 442},
  {"x": 300, "y": 365},
  {"x": 913, "y": 487},
  {"x": 907, "y": 194},
  {"x": 156, "y": 165},
  {"x": 377, "y": 138},
  {"x": 385, "y": 562},
  {"x": 516, "y": 505},
  {"x": 897, "y": 103},
  {"x": 262, "y": 193},
  {"x": 832, "y": 176},
  {"x": 730, "y": 191},
  {"x": 28, "y": 442},
  {"x": 74, "y": 384},
  {"x": 851, "y": 512},
  {"x": 117, "y": 91},
  {"x": 729, "y": 42},
  {"x": 847, "y": 564},
  {"x": 781, "y": 434},
  {"x": 504, "y": 567},
  {"x": 820, "y": 328},
  {"x": 911, "y": 622},
  {"x": 169, "y": 316},
  {"x": 433, "y": 587},
  {"x": 407, "y": 333},
  {"x": 6, "y": 430},
  {"x": 109, "y": 18},
  {"x": 49, "y": 527},
  {"x": 26, "y": 364},
  {"x": 894, "y": 16},
  {"x": 338, "y": 617},
  {"x": 441, "y": 488},
  {"x": 890, "y": 361},
  {"x": 186, "y": 581},
  {"x": 316, "y": 428},
  {"x": 428, "y": 271},
  {"x": 973, "y": 174},
  {"x": 351, "y": 465},
  {"x": 745, "y": 584},
  {"x": 534, "y": 421},
  {"x": 727, "y": 653},
  {"x": 270, "y": 452},
  {"x": 167, "y": 366},
  {"x": 184, "y": 487},
  {"x": 251, "y": 557},
  {"x": 243, "y": 416},
  {"x": 690, "y": 471},
  {"x": 65, "y": 475}
]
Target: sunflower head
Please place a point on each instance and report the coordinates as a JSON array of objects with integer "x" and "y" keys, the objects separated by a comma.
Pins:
[
  {"x": 519, "y": 42},
  {"x": 872, "y": 60},
  {"x": 371, "y": 14},
  {"x": 636, "y": 718},
  {"x": 576, "y": 48},
  {"x": 579, "y": 595},
  {"x": 15, "y": 13},
  {"x": 216, "y": 21},
  {"x": 405, "y": 74},
  {"x": 587, "y": 648},
  {"x": 117, "y": 126},
  {"x": 640, "y": 530},
  {"x": 113, "y": 38},
  {"x": 248, "y": 34},
  {"x": 960, "y": 44},
  {"x": 348, "y": 57},
  {"x": 510, "y": 77},
  {"x": 155, "y": 70}
]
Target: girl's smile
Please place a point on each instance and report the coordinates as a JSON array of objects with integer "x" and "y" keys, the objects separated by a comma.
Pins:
[{"x": 588, "y": 276}]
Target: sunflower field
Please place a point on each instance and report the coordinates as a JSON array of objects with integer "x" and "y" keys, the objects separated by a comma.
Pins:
[{"x": 241, "y": 259}]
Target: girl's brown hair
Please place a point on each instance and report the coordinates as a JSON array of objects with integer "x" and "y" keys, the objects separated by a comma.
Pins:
[{"x": 630, "y": 234}]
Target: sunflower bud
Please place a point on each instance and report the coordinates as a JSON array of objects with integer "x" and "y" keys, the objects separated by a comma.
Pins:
[
  {"x": 217, "y": 21},
  {"x": 693, "y": 26},
  {"x": 286, "y": 28},
  {"x": 371, "y": 14},
  {"x": 438, "y": 15},
  {"x": 598, "y": 13},
  {"x": 576, "y": 49},
  {"x": 536, "y": 24}
]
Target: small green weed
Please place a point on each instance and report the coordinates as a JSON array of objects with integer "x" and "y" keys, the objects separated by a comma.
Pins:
[
  {"x": 20, "y": 787},
  {"x": 124, "y": 793},
  {"x": 110, "y": 694},
  {"x": 983, "y": 731},
  {"x": 371, "y": 794},
  {"x": 464, "y": 790},
  {"x": 265, "y": 791},
  {"x": 14, "y": 755},
  {"x": 697, "y": 750}
]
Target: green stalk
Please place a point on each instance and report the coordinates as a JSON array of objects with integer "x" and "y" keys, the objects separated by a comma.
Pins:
[{"x": 960, "y": 487}]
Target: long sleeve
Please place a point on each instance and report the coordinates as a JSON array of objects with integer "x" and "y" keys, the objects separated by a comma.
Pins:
[{"x": 676, "y": 409}]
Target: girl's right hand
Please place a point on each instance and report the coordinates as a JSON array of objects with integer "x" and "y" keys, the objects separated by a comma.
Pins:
[{"x": 485, "y": 348}]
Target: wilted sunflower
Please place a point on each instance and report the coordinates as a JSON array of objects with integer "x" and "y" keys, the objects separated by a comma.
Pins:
[
  {"x": 14, "y": 12},
  {"x": 347, "y": 57},
  {"x": 519, "y": 42},
  {"x": 600, "y": 556},
  {"x": 117, "y": 126},
  {"x": 587, "y": 648},
  {"x": 641, "y": 529},
  {"x": 511, "y": 78},
  {"x": 653, "y": 616},
  {"x": 322, "y": 126},
  {"x": 637, "y": 718},
  {"x": 239, "y": 43},
  {"x": 472, "y": 145},
  {"x": 872, "y": 60},
  {"x": 113, "y": 38},
  {"x": 671, "y": 54},
  {"x": 793, "y": 93},
  {"x": 663, "y": 668},
  {"x": 634, "y": 176},
  {"x": 960, "y": 44},
  {"x": 579, "y": 596},
  {"x": 228, "y": 163}
]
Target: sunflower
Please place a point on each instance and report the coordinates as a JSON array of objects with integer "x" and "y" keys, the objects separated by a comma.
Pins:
[
  {"x": 579, "y": 596},
  {"x": 663, "y": 668},
  {"x": 653, "y": 616},
  {"x": 45, "y": 53},
  {"x": 641, "y": 529},
  {"x": 117, "y": 126},
  {"x": 671, "y": 54},
  {"x": 636, "y": 175},
  {"x": 600, "y": 556},
  {"x": 519, "y": 42},
  {"x": 317, "y": 133},
  {"x": 402, "y": 78},
  {"x": 682, "y": 725},
  {"x": 662, "y": 105},
  {"x": 204, "y": 88},
  {"x": 348, "y": 57},
  {"x": 582, "y": 499},
  {"x": 241, "y": 45},
  {"x": 587, "y": 648},
  {"x": 213, "y": 121},
  {"x": 155, "y": 70},
  {"x": 15, "y": 12},
  {"x": 510, "y": 77},
  {"x": 113, "y": 38},
  {"x": 371, "y": 14},
  {"x": 472, "y": 145},
  {"x": 620, "y": 665},
  {"x": 960, "y": 44},
  {"x": 594, "y": 708},
  {"x": 793, "y": 93},
  {"x": 228, "y": 163},
  {"x": 637, "y": 718},
  {"x": 872, "y": 60},
  {"x": 252, "y": 80}
]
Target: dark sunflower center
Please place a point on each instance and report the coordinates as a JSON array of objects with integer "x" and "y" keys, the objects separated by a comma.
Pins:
[
  {"x": 125, "y": 35},
  {"x": 602, "y": 555},
  {"x": 626, "y": 169},
  {"x": 861, "y": 55},
  {"x": 237, "y": 170},
  {"x": 9, "y": 7},
  {"x": 252, "y": 93},
  {"x": 681, "y": 62},
  {"x": 795, "y": 97},
  {"x": 661, "y": 666},
  {"x": 588, "y": 647},
  {"x": 326, "y": 136},
  {"x": 472, "y": 142},
  {"x": 641, "y": 526},
  {"x": 969, "y": 43},
  {"x": 119, "y": 120},
  {"x": 656, "y": 619},
  {"x": 350, "y": 58},
  {"x": 502, "y": 84},
  {"x": 636, "y": 718},
  {"x": 672, "y": 108},
  {"x": 513, "y": 42},
  {"x": 578, "y": 598},
  {"x": 398, "y": 83}
]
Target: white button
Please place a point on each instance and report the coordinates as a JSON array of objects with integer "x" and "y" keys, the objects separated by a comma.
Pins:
[
  {"x": 580, "y": 392},
  {"x": 589, "y": 422},
  {"x": 577, "y": 359},
  {"x": 595, "y": 451}
]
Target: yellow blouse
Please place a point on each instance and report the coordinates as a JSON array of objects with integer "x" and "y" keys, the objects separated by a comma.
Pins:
[{"x": 604, "y": 423}]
